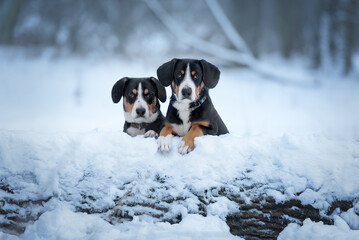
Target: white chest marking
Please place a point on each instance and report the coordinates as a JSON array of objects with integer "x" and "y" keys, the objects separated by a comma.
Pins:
[
  {"x": 183, "y": 114},
  {"x": 135, "y": 131}
]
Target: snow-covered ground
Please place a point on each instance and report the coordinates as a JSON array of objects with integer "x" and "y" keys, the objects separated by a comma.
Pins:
[{"x": 63, "y": 153}]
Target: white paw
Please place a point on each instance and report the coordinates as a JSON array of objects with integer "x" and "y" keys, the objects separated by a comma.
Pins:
[
  {"x": 183, "y": 148},
  {"x": 150, "y": 133},
  {"x": 165, "y": 143}
]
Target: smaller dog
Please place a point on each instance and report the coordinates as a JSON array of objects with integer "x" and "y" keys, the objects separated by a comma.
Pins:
[
  {"x": 190, "y": 112},
  {"x": 141, "y": 106}
]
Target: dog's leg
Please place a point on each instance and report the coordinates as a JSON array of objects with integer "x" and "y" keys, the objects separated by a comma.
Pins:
[
  {"x": 187, "y": 143},
  {"x": 165, "y": 139}
]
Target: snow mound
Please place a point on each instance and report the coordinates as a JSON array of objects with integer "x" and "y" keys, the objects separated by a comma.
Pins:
[
  {"x": 313, "y": 230},
  {"x": 285, "y": 142}
]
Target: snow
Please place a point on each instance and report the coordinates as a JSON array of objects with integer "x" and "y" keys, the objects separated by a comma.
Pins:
[
  {"x": 64, "y": 223},
  {"x": 61, "y": 143},
  {"x": 313, "y": 230},
  {"x": 352, "y": 218}
]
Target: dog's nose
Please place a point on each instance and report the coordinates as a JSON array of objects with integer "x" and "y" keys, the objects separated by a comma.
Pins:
[
  {"x": 140, "y": 112},
  {"x": 186, "y": 92}
]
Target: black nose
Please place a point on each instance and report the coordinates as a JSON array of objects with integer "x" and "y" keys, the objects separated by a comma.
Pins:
[
  {"x": 186, "y": 92},
  {"x": 140, "y": 112}
]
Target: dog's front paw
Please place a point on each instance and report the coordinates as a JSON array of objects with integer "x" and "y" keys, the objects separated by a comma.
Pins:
[
  {"x": 185, "y": 147},
  {"x": 165, "y": 143},
  {"x": 150, "y": 133}
]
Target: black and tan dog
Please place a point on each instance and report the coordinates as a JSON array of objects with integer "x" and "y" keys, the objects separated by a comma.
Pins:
[
  {"x": 190, "y": 112},
  {"x": 141, "y": 106}
]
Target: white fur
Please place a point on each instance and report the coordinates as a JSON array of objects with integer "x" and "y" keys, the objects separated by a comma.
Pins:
[
  {"x": 135, "y": 131},
  {"x": 187, "y": 83},
  {"x": 183, "y": 114},
  {"x": 183, "y": 149},
  {"x": 165, "y": 143},
  {"x": 182, "y": 105},
  {"x": 150, "y": 133}
]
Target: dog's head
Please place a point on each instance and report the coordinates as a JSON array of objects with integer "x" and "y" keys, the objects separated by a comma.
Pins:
[
  {"x": 140, "y": 98},
  {"x": 188, "y": 77}
]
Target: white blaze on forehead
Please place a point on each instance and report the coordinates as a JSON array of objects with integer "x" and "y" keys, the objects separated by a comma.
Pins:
[
  {"x": 187, "y": 83},
  {"x": 139, "y": 103}
]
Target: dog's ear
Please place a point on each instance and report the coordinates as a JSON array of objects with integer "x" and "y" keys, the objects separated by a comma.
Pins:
[
  {"x": 210, "y": 74},
  {"x": 161, "y": 91},
  {"x": 117, "y": 89},
  {"x": 165, "y": 72}
]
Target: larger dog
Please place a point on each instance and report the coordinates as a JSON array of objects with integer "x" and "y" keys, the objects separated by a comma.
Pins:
[{"x": 190, "y": 112}]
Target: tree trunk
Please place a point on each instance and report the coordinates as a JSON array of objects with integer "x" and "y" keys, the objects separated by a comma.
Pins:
[{"x": 9, "y": 21}]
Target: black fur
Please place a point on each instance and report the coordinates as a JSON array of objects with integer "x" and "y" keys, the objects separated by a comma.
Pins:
[
  {"x": 124, "y": 87},
  {"x": 203, "y": 110}
]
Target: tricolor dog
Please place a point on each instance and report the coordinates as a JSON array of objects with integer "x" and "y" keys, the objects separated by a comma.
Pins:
[
  {"x": 190, "y": 112},
  {"x": 141, "y": 105}
]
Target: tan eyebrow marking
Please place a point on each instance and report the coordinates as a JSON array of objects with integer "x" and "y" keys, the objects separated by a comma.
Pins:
[
  {"x": 146, "y": 91},
  {"x": 134, "y": 91},
  {"x": 182, "y": 72},
  {"x": 193, "y": 72}
]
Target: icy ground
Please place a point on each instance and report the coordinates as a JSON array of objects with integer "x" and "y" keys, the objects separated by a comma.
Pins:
[{"x": 67, "y": 171}]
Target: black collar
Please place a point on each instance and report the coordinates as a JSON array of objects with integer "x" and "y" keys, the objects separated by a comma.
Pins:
[
  {"x": 200, "y": 100},
  {"x": 137, "y": 125}
]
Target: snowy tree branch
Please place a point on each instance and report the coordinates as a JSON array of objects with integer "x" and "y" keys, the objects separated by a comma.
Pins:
[
  {"x": 196, "y": 42},
  {"x": 228, "y": 27},
  {"x": 241, "y": 56}
]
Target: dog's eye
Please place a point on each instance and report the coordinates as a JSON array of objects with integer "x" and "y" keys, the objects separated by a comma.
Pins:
[
  {"x": 195, "y": 76},
  {"x": 179, "y": 76},
  {"x": 132, "y": 95},
  {"x": 147, "y": 95}
]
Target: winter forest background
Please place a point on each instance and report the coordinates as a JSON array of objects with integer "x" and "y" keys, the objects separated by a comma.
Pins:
[
  {"x": 288, "y": 93},
  {"x": 325, "y": 32}
]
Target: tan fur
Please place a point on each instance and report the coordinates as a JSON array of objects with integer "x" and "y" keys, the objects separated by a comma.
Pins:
[
  {"x": 134, "y": 91},
  {"x": 195, "y": 131},
  {"x": 193, "y": 73},
  {"x": 146, "y": 91},
  {"x": 198, "y": 89},
  {"x": 128, "y": 106},
  {"x": 152, "y": 107},
  {"x": 182, "y": 72},
  {"x": 166, "y": 130},
  {"x": 175, "y": 88}
]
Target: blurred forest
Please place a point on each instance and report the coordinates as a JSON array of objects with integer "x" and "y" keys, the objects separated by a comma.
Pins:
[{"x": 324, "y": 31}]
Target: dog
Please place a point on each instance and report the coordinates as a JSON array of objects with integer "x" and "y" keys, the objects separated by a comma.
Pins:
[
  {"x": 141, "y": 105},
  {"x": 190, "y": 112}
]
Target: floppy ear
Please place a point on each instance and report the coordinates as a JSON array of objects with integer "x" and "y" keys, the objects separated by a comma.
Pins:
[
  {"x": 210, "y": 74},
  {"x": 165, "y": 72},
  {"x": 117, "y": 89},
  {"x": 161, "y": 91}
]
